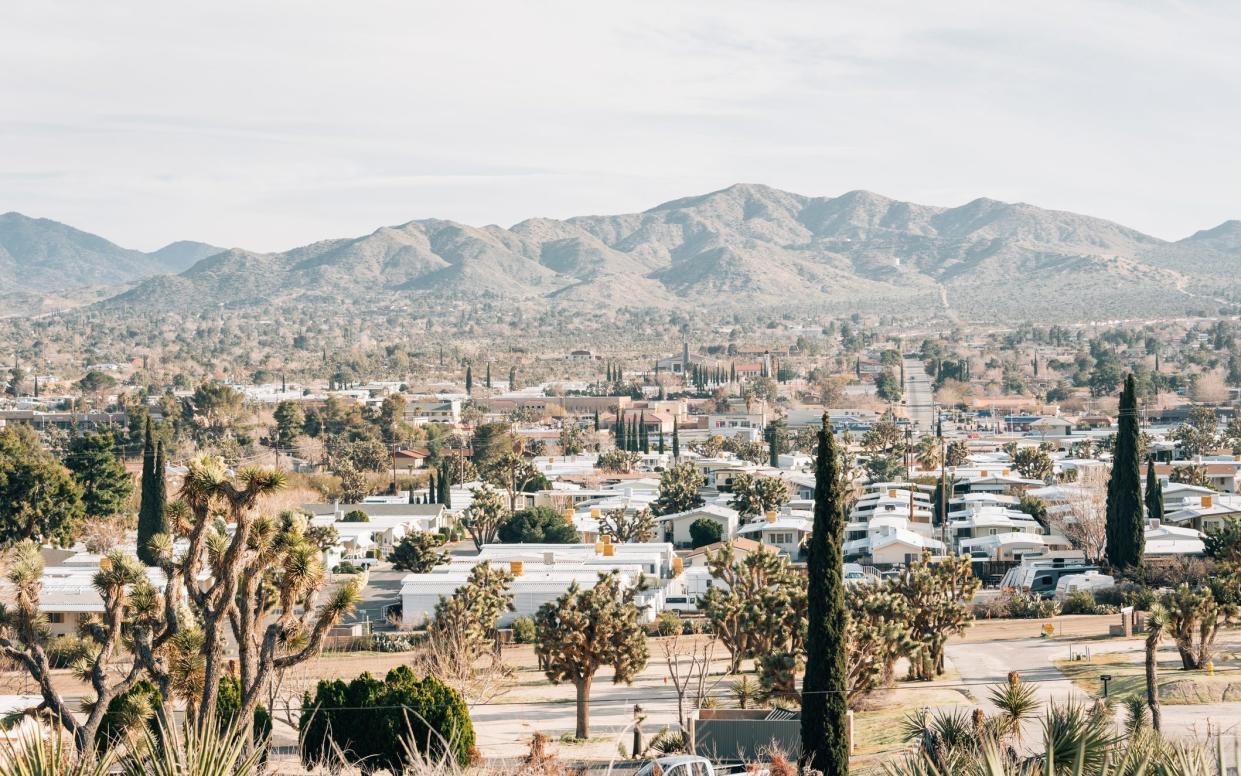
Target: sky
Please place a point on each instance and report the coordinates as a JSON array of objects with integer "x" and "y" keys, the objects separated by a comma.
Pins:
[{"x": 274, "y": 124}]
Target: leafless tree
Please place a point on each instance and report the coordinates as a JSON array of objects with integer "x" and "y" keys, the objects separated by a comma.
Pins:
[
  {"x": 1084, "y": 522},
  {"x": 688, "y": 661}
]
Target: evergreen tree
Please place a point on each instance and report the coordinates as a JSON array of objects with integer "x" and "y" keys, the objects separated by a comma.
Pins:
[
  {"x": 487, "y": 376},
  {"x": 1154, "y": 492},
  {"x": 676, "y": 442},
  {"x": 1125, "y": 526},
  {"x": 596, "y": 420},
  {"x": 634, "y": 436},
  {"x": 825, "y": 746},
  {"x": 106, "y": 486},
  {"x": 469, "y": 379},
  {"x": 151, "y": 517},
  {"x": 444, "y": 484},
  {"x": 432, "y": 493},
  {"x": 512, "y": 378},
  {"x": 773, "y": 449},
  {"x": 618, "y": 431},
  {"x": 644, "y": 434},
  {"x": 661, "y": 442}
]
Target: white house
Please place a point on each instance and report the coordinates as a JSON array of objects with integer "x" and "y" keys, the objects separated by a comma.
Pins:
[
  {"x": 781, "y": 531},
  {"x": 674, "y": 527}
]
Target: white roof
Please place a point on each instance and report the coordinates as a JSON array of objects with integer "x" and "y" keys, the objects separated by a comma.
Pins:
[
  {"x": 781, "y": 523},
  {"x": 718, "y": 510},
  {"x": 1015, "y": 537}
]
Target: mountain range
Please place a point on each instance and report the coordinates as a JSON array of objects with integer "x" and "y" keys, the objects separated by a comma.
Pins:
[{"x": 745, "y": 246}]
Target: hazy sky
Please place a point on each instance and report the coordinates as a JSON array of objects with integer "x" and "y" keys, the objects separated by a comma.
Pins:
[{"x": 272, "y": 124}]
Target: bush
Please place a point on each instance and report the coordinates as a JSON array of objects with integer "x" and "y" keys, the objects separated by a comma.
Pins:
[
  {"x": 669, "y": 624},
  {"x": 1029, "y": 606},
  {"x": 523, "y": 630},
  {"x": 356, "y": 516},
  {"x": 64, "y": 651},
  {"x": 128, "y": 713},
  {"x": 1083, "y": 602},
  {"x": 345, "y": 567},
  {"x": 1140, "y": 597},
  {"x": 375, "y": 720},
  {"x": 228, "y": 704},
  {"x": 393, "y": 642},
  {"x": 704, "y": 531},
  {"x": 541, "y": 525}
]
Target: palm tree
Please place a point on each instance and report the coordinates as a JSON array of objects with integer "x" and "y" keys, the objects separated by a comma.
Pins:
[{"x": 926, "y": 453}]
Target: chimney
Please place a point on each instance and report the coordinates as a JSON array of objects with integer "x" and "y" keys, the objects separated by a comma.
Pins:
[
  {"x": 678, "y": 565},
  {"x": 595, "y": 513},
  {"x": 549, "y": 558},
  {"x": 1208, "y": 501},
  {"x": 771, "y": 516},
  {"x": 609, "y": 549},
  {"x": 568, "y": 514},
  {"x": 517, "y": 567}
]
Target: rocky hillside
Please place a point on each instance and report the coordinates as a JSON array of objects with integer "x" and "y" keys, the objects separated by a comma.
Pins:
[{"x": 744, "y": 246}]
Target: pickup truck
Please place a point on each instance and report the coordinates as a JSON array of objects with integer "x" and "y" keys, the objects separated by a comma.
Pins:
[{"x": 692, "y": 765}]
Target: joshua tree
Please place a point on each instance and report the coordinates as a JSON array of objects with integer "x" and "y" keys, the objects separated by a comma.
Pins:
[{"x": 584, "y": 630}]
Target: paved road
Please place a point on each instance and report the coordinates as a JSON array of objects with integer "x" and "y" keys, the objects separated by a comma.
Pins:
[
  {"x": 919, "y": 398},
  {"x": 987, "y": 663}
]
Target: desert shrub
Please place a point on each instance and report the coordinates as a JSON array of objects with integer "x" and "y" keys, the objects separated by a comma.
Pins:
[
  {"x": 1084, "y": 602},
  {"x": 669, "y": 624},
  {"x": 376, "y": 722},
  {"x": 64, "y": 651},
  {"x": 523, "y": 630},
  {"x": 1028, "y": 606}
]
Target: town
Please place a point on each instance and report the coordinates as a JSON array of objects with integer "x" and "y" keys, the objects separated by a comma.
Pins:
[{"x": 452, "y": 529}]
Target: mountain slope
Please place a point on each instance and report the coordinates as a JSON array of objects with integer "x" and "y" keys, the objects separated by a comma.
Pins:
[
  {"x": 746, "y": 245},
  {"x": 39, "y": 256}
]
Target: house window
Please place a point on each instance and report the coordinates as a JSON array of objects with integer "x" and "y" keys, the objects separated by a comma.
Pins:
[{"x": 56, "y": 618}]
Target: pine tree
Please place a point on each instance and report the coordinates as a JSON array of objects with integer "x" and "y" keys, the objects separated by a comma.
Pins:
[
  {"x": 618, "y": 431},
  {"x": 512, "y": 378},
  {"x": 432, "y": 494},
  {"x": 487, "y": 376},
  {"x": 596, "y": 420},
  {"x": 1154, "y": 493},
  {"x": 643, "y": 434},
  {"x": 469, "y": 379},
  {"x": 151, "y": 518},
  {"x": 634, "y": 436},
  {"x": 1125, "y": 526},
  {"x": 676, "y": 441},
  {"x": 825, "y": 745},
  {"x": 661, "y": 441},
  {"x": 773, "y": 449}
]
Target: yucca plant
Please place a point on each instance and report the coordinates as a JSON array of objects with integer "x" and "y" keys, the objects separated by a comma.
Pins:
[
  {"x": 204, "y": 749},
  {"x": 1016, "y": 701},
  {"x": 30, "y": 754}
]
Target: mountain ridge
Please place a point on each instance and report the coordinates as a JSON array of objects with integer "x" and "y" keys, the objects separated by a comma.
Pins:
[{"x": 746, "y": 245}]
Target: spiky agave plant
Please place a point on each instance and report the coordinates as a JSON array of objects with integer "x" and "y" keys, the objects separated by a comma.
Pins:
[{"x": 1016, "y": 701}]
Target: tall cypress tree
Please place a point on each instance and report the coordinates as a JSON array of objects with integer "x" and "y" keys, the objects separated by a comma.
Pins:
[
  {"x": 773, "y": 449},
  {"x": 151, "y": 518},
  {"x": 512, "y": 378},
  {"x": 596, "y": 420},
  {"x": 824, "y": 712},
  {"x": 469, "y": 379},
  {"x": 487, "y": 376},
  {"x": 618, "y": 430},
  {"x": 444, "y": 484},
  {"x": 1154, "y": 492},
  {"x": 676, "y": 442},
  {"x": 661, "y": 441},
  {"x": 432, "y": 493},
  {"x": 644, "y": 435},
  {"x": 1126, "y": 540}
]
